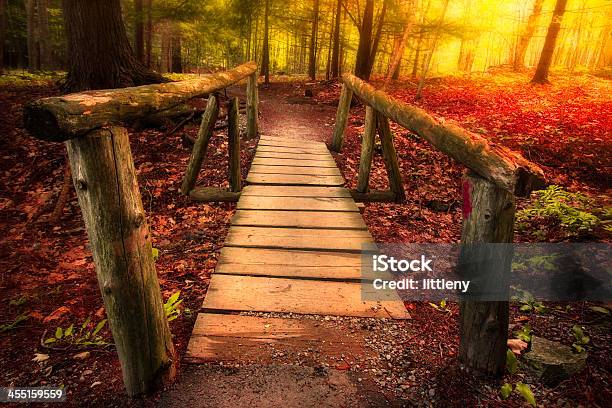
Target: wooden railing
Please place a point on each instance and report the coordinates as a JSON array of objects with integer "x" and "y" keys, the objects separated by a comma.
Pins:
[
  {"x": 495, "y": 175},
  {"x": 106, "y": 185}
]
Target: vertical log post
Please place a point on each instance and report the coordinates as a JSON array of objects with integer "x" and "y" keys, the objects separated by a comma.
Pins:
[
  {"x": 342, "y": 114},
  {"x": 233, "y": 137},
  {"x": 488, "y": 217},
  {"x": 106, "y": 185},
  {"x": 201, "y": 145},
  {"x": 390, "y": 157},
  {"x": 367, "y": 150},
  {"x": 252, "y": 107}
]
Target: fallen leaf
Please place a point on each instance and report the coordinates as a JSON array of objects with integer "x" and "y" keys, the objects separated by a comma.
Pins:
[
  {"x": 82, "y": 356},
  {"x": 517, "y": 345},
  {"x": 39, "y": 357},
  {"x": 56, "y": 314}
]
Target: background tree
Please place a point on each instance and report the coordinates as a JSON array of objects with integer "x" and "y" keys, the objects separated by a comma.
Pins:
[
  {"x": 523, "y": 42},
  {"x": 139, "y": 46},
  {"x": 541, "y": 74},
  {"x": 362, "y": 62},
  {"x": 335, "y": 60},
  {"x": 265, "y": 58},
  {"x": 2, "y": 33},
  {"x": 312, "y": 61}
]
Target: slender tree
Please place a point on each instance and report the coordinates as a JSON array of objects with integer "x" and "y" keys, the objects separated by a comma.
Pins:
[
  {"x": 149, "y": 33},
  {"x": 335, "y": 61},
  {"x": 99, "y": 51},
  {"x": 400, "y": 46},
  {"x": 32, "y": 35},
  {"x": 362, "y": 64},
  {"x": 312, "y": 60},
  {"x": 523, "y": 42},
  {"x": 377, "y": 36},
  {"x": 139, "y": 31},
  {"x": 265, "y": 58},
  {"x": 2, "y": 33},
  {"x": 541, "y": 73},
  {"x": 437, "y": 33}
]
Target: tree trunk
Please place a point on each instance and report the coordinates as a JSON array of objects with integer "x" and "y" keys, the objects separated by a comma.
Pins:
[
  {"x": 100, "y": 56},
  {"x": 437, "y": 34},
  {"x": 2, "y": 33},
  {"x": 541, "y": 74},
  {"x": 44, "y": 50},
  {"x": 312, "y": 60},
  {"x": 362, "y": 64},
  {"x": 233, "y": 141},
  {"x": 32, "y": 35},
  {"x": 398, "y": 51},
  {"x": 367, "y": 150},
  {"x": 165, "y": 64},
  {"x": 149, "y": 33},
  {"x": 342, "y": 114},
  {"x": 139, "y": 31},
  {"x": 523, "y": 42},
  {"x": 177, "y": 50},
  {"x": 335, "y": 62},
  {"x": 488, "y": 213},
  {"x": 415, "y": 64},
  {"x": 105, "y": 179},
  {"x": 265, "y": 59},
  {"x": 374, "y": 50}
]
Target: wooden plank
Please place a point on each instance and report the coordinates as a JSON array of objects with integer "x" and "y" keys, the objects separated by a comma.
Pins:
[
  {"x": 289, "y": 238},
  {"x": 269, "y": 161},
  {"x": 299, "y": 150},
  {"x": 306, "y": 144},
  {"x": 322, "y": 171},
  {"x": 295, "y": 191},
  {"x": 253, "y": 339},
  {"x": 262, "y": 294},
  {"x": 292, "y": 263},
  {"x": 297, "y": 203},
  {"x": 299, "y": 219},
  {"x": 294, "y": 179},
  {"x": 294, "y": 156}
]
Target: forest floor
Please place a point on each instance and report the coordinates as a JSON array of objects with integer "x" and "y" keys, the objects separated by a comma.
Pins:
[{"x": 47, "y": 276}]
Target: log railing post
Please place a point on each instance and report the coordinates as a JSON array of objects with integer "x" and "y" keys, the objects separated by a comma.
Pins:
[
  {"x": 233, "y": 137},
  {"x": 390, "y": 157},
  {"x": 201, "y": 145},
  {"x": 342, "y": 114},
  {"x": 367, "y": 150},
  {"x": 252, "y": 107},
  {"x": 488, "y": 217},
  {"x": 106, "y": 185}
]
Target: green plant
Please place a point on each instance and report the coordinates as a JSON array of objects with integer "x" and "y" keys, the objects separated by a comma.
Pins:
[
  {"x": 528, "y": 302},
  {"x": 524, "y": 334},
  {"x": 581, "y": 339},
  {"x": 511, "y": 362},
  {"x": 526, "y": 393},
  {"x": 171, "y": 307},
  {"x": 155, "y": 253},
  {"x": 84, "y": 337},
  {"x": 440, "y": 307},
  {"x": 570, "y": 209},
  {"x": 12, "y": 325},
  {"x": 18, "y": 301},
  {"x": 522, "y": 389}
]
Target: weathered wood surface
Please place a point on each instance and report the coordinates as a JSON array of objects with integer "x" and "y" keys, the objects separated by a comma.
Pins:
[
  {"x": 372, "y": 196},
  {"x": 390, "y": 157},
  {"x": 293, "y": 150},
  {"x": 299, "y": 219},
  {"x": 294, "y": 179},
  {"x": 342, "y": 114},
  {"x": 201, "y": 145},
  {"x": 214, "y": 194},
  {"x": 263, "y": 294},
  {"x": 504, "y": 167},
  {"x": 252, "y": 107},
  {"x": 105, "y": 181},
  {"x": 290, "y": 143},
  {"x": 297, "y": 204},
  {"x": 233, "y": 137},
  {"x": 293, "y": 156},
  {"x": 367, "y": 150},
  {"x": 306, "y": 170},
  {"x": 251, "y": 339},
  {"x": 291, "y": 263},
  {"x": 296, "y": 191},
  {"x": 488, "y": 213},
  {"x": 289, "y": 238},
  {"x": 269, "y": 161},
  {"x": 60, "y": 118}
]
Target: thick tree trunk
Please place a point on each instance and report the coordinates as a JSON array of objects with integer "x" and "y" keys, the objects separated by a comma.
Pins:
[
  {"x": 377, "y": 36},
  {"x": 335, "y": 61},
  {"x": 100, "y": 56},
  {"x": 312, "y": 60},
  {"x": 105, "y": 179},
  {"x": 139, "y": 31},
  {"x": 2, "y": 33},
  {"x": 265, "y": 59},
  {"x": 541, "y": 74},
  {"x": 362, "y": 64},
  {"x": 523, "y": 42},
  {"x": 504, "y": 167},
  {"x": 488, "y": 218}
]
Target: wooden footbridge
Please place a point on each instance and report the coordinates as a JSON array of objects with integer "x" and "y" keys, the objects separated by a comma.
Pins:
[{"x": 295, "y": 241}]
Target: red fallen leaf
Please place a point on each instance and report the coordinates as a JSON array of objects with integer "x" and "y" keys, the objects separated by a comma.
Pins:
[
  {"x": 521, "y": 319},
  {"x": 56, "y": 314},
  {"x": 100, "y": 312},
  {"x": 36, "y": 315},
  {"x": 516, "y": 345},
  {"x": 343, "y": 366}
]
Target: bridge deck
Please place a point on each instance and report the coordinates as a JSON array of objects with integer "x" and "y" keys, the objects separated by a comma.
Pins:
[{"x": 293, "y": 247}]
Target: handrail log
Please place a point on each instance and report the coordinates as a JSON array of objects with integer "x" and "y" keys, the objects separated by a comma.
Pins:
[
  {"x": 504, "y": 167},
  {"x": 61, "y": 118}
]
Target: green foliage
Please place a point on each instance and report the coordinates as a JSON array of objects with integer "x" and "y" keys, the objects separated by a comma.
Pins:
[
  {"x": 84, "y": 337},
  {"x": 171, "y": 307},
  {"x": 18, "y": 301},
  {"x": 528, "y": 302},
  {"x": 524, "y": 334},
  {"x": 155, "y": 253},
  {"x": 441, "y": 307},
  {"x": 505, "y": 391},
  {"x": 24, "y": 78},
  {"x": 581, "y": 339},
  {"x": 511, "y": 362},
  {"x": 571, "y": 210},
  {"x": 600, "y": 309},
  {"x": 12, "y": 325},
  {"x": 526, "y": 393}
]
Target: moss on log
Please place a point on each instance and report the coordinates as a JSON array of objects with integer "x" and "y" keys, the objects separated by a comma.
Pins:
[{"x": 65, "y": 117}]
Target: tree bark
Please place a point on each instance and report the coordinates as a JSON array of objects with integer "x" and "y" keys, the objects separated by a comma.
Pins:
[
  {"x": 165, "y": 64},
  {"x": 32, "y": 35},
  {"x": 377, "y": 36},
  {"x": 177, "y": 50},
  {"x": 2, "y": 33},
  {"x": 64, "y": 117},
  {"x": 149, "y": 33},
  {"x": 367, "y": 150},
  {"x": 335, "y": 62},
  {"x": 362, "y": 63},
  {"x": 252, "y": 107},
  {"x": 105, "y": 179},
  {"x": 44, "y": 50},
  {"x": 541, "y": 73},
  {"x": 342, "y": 114},
  {"x": 523, "y": 42},
  {"x": 139, "y": 31},
  {"x": 488, "y": 213},
  {"x": 265, "y": 59},
  {"x": 233, "y": 138},
  {"x": 504, "y": 167},
  {"x": 100, "y": 56},
  {"x": 398, "y": 52},
  {"x": 312, "y": 61},
  {"x": 390, "y": 157}
]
